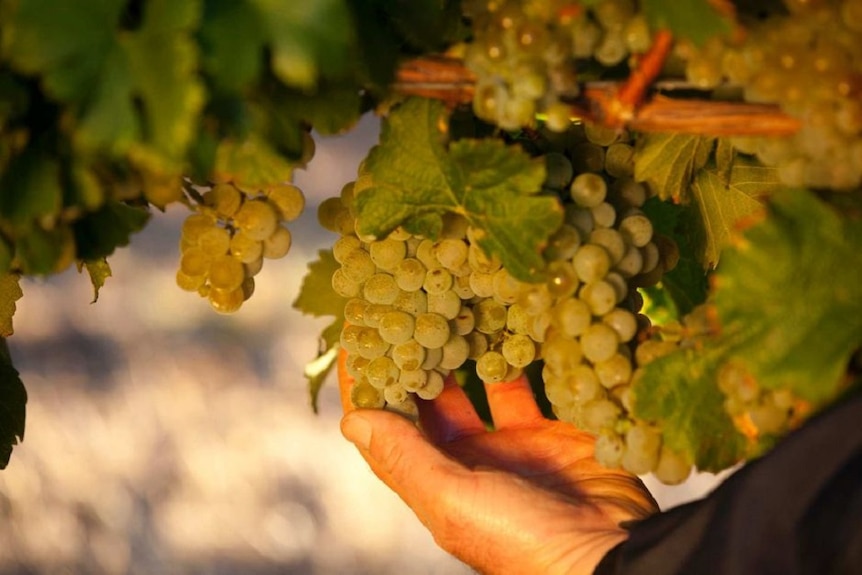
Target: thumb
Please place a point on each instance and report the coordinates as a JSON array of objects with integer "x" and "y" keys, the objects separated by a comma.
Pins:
[{"x": 401, "y": 457}]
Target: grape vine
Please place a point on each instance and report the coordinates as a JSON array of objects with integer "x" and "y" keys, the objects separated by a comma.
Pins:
[{"x": 651, "y": 208}]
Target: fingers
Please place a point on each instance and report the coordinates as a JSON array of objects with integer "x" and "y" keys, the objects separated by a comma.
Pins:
[
  {"x": 512, "y": 403},
  {"x": 401, "y": 457},
  {"x": 450, "y": 415}
]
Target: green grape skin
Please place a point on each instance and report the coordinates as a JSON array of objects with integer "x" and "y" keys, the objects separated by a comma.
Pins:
[
  {"x": 609, "y": 449},
  {"x": 381, "y": 288},
  {"x": 672, "y": 468},
  {"x": 490, "y": 316},
  {"x": 244, "y": 248},
  {"x": 226, "y": 301},
  {"x": 432, "y": 330},
  {"x": 410, "y": 274},
  {"x": 396, "y": 327},
  {"x": 189, "y": 283},
  {"x": 381, "y": 372},
  {"x": 413, "y": 380},
  {"x": 363, "y": 395},
  {"x": 355, "y": 310},
  {"x": 277, "y": 245},
  {"x": 409, "y": 355},
  {"x": 195, "y": 225},
  {"x": 599, "y": 342},
  {"x": 591, "y": 263},
  {"x": 288, "y": 200},
  {"x": 434, "y": 384},
  {"x": 588, "y": 190},
  {"x": 226, "y": 273},
  {"x": 455, "y": 352},
  {"x": 600, "y": 297},
  {"x": 358, "y": 266},
  {"x": 519, "y": 350},
  {"x": 451, "y": 253},
  {"x": 614, "y": 371},
  {"x": 214, "y": 241},
  {"x": 437, "y": 280},
  {"x": 447, "y": 304},
  {"x": 257, "y": 219},
  {"x": 491, "y": 367},
  {"x": 344, "y": 285},
  {"x": 194, "y": 262},
  {"x": 387, "y": 254},
  {"x": 344, "y": 246},
  {"x": 225, "y": 199}
]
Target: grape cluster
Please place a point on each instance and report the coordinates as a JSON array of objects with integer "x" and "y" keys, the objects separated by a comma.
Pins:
[
  {"x": 769, "y": 412},
  {"x": 602, "y": 253},
  {"x": 525, "y": 54},
  {"x": 808, "y": 60},
  {"x": 226, "y": 239},
  {"x": 417, "y": 309}
]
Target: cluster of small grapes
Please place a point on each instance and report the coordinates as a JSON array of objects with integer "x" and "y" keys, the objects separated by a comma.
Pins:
[
  {"x": 417, "y": 309},
  {"x": 226, "y": 239},
  {"x": 605, "y": 250},
  {"x": 769, "y": 411},
  {"x": 524, "y": 53},
  {"x": 807, "y": 60}
]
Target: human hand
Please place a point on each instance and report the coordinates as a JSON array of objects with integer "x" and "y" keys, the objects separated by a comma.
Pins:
[{"x": 527, "y": 497}]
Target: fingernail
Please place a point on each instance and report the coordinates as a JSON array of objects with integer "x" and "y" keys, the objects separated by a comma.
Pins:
[{"x": 357, "y": 430}]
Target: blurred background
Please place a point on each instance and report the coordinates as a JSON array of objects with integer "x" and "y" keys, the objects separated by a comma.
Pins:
[{"x": 165, "y": 438}]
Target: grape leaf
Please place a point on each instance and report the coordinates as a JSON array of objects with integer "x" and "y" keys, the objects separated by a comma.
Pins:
[
  {"x": 720, "y": 208},
  {"x": 697, "y": 20},
  {"x": 13, "y": 405},
  {"x": 66, "y": 42},
  {"x": 668, "y": 162},
  {"x": 792, "y": 290},
  {"x": 99, "y": 271},
  {"x": 307, "y": 39},
  {"x": 163, "y": 64},
  {"x": 317, "y": 298},
  {"x": 415, "y": 178},
  {"x": 789, "y": 302},
  {"x": 232, "y": 44},
  {"x": 679, "y": 392},
  {"x": 99, "y": 233},
  {"x": 30, "y": 187},
  {"x": 251, "y": 164},
  {"x": 10, "y": 292}
]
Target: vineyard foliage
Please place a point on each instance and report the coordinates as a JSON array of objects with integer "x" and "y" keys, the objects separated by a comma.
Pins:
[{"x": 112, "y": 110}]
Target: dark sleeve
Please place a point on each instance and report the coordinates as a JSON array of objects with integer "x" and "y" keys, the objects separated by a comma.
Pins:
[{"x": 796, "y": 511}]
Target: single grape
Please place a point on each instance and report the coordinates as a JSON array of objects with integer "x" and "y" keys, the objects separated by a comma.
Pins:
[
  {"x": 409, "y": 274},
  {"x": 226, "y": 273},
  {"x": 599, "y": 342},
  {"x": 408, "y": 355},
  {"x": 226, "y": 301},
  {"x": 455, "y": 352},
  {"x": 519, "y": 350},
  {"x": 363, "y": 395},
  {"x": 382, "y": 372},
  {"x": 588, "y": 190},
  {"x": 396, "y": 327},
  {"x": 225, "y": 199},
  {"x": 432, "y": 330},
  {"x": 447, "y": 304},
  {"x": 434, "y": 384},
  {"x": 387, "y": 254},
  {"x": 288, "y": 200},
  {"x": 591, "y": 262},
  {"x": 358, "y": 266},
  {"x": 257, "y": 218},
  {"x": 380, "y": 288},
  {"x": 195, "y": 262},
  {"x": 492, "y": 367},
  {"x": 278, "y": 244}
]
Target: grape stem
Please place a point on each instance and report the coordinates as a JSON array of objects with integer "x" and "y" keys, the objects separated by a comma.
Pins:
[{"x": 616, "y": 104}]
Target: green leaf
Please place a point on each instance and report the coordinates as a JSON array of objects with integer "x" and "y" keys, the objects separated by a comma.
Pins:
[
  {"x": 317, "y": 298},
  {"x": 30, "y": 188},
  {"x": 679, "y": 392},
  {"x": 668, "y": 162},
  {"x": 233, "y": 43},
  {"x": 686, "y": 284},
  {"x": 40, "y": 251},
  {"x": 99, "y": 233},
  {"x": 10, "y": 292},
  {"x": 13, "y": 406},
  {"x": 752, "y": 178},
  {"x": 251, "y": 164},
  {"x": 696, "y": 20},
  {"x": 791, "y": 291},
  {"x": 415, "y": 179},
  {"x": 99, "y": 272},
  {"x": 720, "y": 209},
  {"x": 789, "y": 304},
  {"x": 163, "y": 62},
  {"x": 307, "y": 39},
  {"x": 66, "y": 42}
]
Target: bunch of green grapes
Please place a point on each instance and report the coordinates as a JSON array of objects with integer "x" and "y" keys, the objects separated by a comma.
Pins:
[
  {"x": 417, "y": 309},
  {"x": 807, "y": 60},
  {"x": 226, "y": 239},
  {"x": 525, "y": 53}
]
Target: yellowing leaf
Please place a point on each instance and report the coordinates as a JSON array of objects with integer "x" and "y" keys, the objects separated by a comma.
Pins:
[
  {"x": 251, "y": 164},
  {"x": 99, "y": 271},
  {"x": 415, "y": 179},
  {"x": 721, "y": 208},
  {"x": 668, "y": 162},
  {"x": 10, "y": 292}
]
